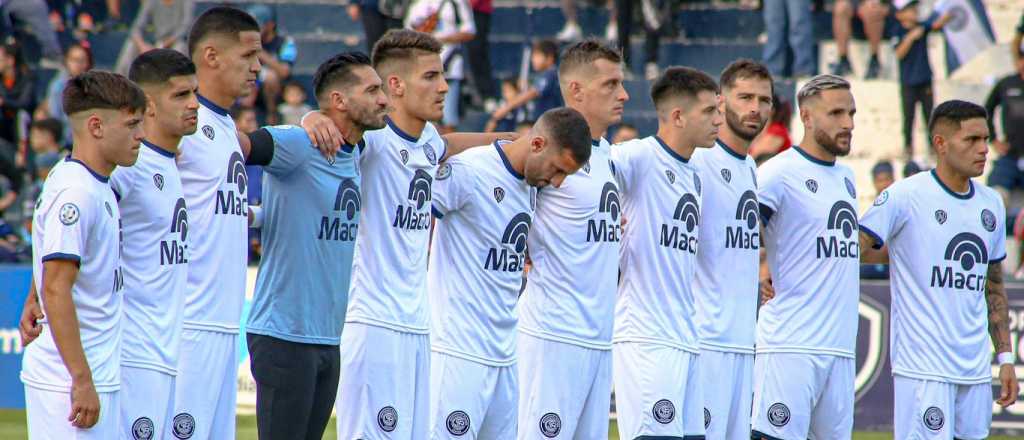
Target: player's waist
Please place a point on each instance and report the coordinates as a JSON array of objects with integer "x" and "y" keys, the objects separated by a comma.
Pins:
[
  {"x": 565, "y": 337},
  {"x": 502, "y": 360},
  {"x": 688, "y": 345},
  {"x": 727, "y": 346},
  {"x": 212, "y": 326},
  {"x": 301, "y": 337},
  {"x": 129, "y": 361},
  {"x": 802, "y": 349},
  {"x": 397, "y": 325},
  {"x": 965, "y": 379}
]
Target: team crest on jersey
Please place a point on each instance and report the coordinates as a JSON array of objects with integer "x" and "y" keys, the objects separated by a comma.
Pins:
[
  {"x": 110, "y": 212},
  {"x": 671, "y": 176},
  {"x": 988, "y": 220},
  {"x": 664, "y": 411},
  {"x": 778, "y": 414},
  {"x": 499, "y": 194},
  {"x": 142, "y": 429},
  {"x": 458, "y": 423},
  {"x": 933, "y": 418},
  {"x": 696, "y": 183},
  {"x": 404, "y": 155},
  {"x": 387, "y": 418},
  {"x": 940, "y": 216},
  {"x": 429, "y": 152},
  {"x": 208, "y": 131},
  {"x": 158, "y": 180},
  {"x": 444, "y": 171},
  {"x": 550, "y": 425},
  {"x": 850, "y": 188},
  {"x": 183, "y": 425},
  {"x": 812, "y": 185},
  {"x": 882, "y": 198},
  {"x": 707, "y": 418},
  {"x": 586, "y": 167},
  {"x": 69, "y": 214},
  {"x": 727, "y": 175}
]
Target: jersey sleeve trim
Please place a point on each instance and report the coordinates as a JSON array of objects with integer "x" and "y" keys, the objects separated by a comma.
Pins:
[
  {"x": 117, "y": 195},
  {"x": 437, "y": 214},
  {"x": 879, "y": 242},
  {"x": 997, "y": 260},
  {"x": 262, "y": 150},
  {"x": 766, "y": 213},
  {"x": 65, "y": 256}
]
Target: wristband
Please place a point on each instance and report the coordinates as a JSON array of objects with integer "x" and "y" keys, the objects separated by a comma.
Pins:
[
  {"x": 257, "y": 216},
  {"x": 1004, "y": 358}
]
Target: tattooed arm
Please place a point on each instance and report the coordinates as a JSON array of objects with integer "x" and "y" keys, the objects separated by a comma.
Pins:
[{"x": 999, "y": 330}]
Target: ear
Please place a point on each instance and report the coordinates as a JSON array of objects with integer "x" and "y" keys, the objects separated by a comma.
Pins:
[
  {"x": 939, "y": 143},
  {"x": 94, "y": 125},
  {"x": 805, "y": 116},
  {"x": 538, "y": 143},
  {"x": 208, "y": 55},
  {"x": 337, "y": 101},
  {"x": 150, "y": 111},
  {"x": 678, "y": 117},
  {"x": 576, "y": 90},
  {"x": 396, "y": 86}
]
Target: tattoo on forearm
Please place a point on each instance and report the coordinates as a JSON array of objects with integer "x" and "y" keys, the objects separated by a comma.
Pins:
[{"x": 998, "y": 309}]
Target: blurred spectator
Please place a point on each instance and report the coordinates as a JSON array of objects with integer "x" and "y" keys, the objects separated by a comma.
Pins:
[
  {"x": 245, "y": 121},
  {"x": 625, "y": 132},
  {"x": 32, "y": 15},
  {"x": 42, "y": 164},
  {"x": 375, "y": 21},
  {"x": 12, "y": 249},
  {"x": 910, "y": 168},
  {"x": 910, "y": 36},
  {"x": 571, "y": 31},
  {"x": 451, "y": 22},
  {"x": 524, "y": 127},
  {"x": 278, "y": 57},
  {"x": 872, "y": 15},
  {"x": 507, "y": 120},
  {"x": 44, "y": 137},
  {"x": 1017, "y": 44},
  {"x": 160, "y": 24},
  {"x": 294, "y": 106},
  {"x": 545, "y": 93},
  {"x": 77, "y": 59},
  {"x": 882, "y": 176},
  {"x": 789, "y": 27},
  {"x": 1008, "y": 96},
  {"x": 656, "y": 16},
  {"x": 479, "y": 55},
  {"x": 17, "y": 92},
  {"x": 774, "y": 138}
]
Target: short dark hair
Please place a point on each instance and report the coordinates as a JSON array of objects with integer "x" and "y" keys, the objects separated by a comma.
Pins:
[
  {"x": 953, "y": 112},
  {"x": 585, "y": 53},
  {"x": 85, "y": 48},
  {"x": 50, "y": 125},
  {"x": 744, "y": 68},
  {"x": 546, "y": 46},
  {"x": 338, "y": 70},
  {"x": 403, "y": 45},
  {"x": 883, "y": 167},
  {"x": 98, "y": 89},
  {"x": 680, "y": 82},
  {"x": 568, "y": 129},
  {"x": 159, "y": 65},
  {"x": 220, "y": 20}
]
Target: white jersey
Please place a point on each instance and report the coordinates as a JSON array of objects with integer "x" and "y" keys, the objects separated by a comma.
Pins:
[
  {"x": 389, "y": 265},
  {"x": 940, "y": 247},
  {"x": 576, "y": 226},
  {"x": 155, "y": 259},
  {"x": 725, "y": 287},
  {"x": 77, "y": 219},
  {"x": 483, "y": 209},
  {"x": 661, "y": 195},
  {"x": 214, "y": 182},
  {"x": 811, "y": 238}
]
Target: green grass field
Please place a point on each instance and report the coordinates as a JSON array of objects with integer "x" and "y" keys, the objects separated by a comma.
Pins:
[{"x": 12, "y": 427}]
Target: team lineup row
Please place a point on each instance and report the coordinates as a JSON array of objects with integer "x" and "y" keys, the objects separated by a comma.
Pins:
[{"x": 416, "y": 243}]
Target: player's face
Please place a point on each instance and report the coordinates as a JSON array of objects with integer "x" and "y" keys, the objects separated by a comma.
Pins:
[
  {"x": 748, "y": 106},
  {"x": 122, "y": 131},
  {"x": 239, "y": 63},
  {"x": 425, "y": 88},
  {"x": 604, "y": 96},
  {"x": 548, "y": 164},
  {"x": 703, "y": 119},
  {"x": 366, "y": 102},
  {"x": 175, "y": 105},
  {"x": 966, "y": 150},
  {"x": 881, "y": 181},
  {"x": 830, "y": 117}
]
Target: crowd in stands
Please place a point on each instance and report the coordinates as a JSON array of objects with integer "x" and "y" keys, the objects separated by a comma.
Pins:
[{"x": 33, "y": 132}]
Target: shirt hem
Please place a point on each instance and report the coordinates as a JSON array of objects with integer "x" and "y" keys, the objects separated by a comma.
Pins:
[
  {"x": 388, "y": 325},
  {"x": 941, "y": 378},
  {"x": 807, "y": 350},
  {"x": 727, "y": 348},
  {"x": 149, "y": 366},
  {"x": 473, "y": 358},
  {"x": 210, "y": 327},
  {"x": 62, "y": 388},
  {"x": 294, "y": 338},
  {"x": 671, "y": 344},
  {"x": 603, "y": 346}
]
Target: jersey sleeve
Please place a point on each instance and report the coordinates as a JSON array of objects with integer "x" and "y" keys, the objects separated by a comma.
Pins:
[
  {"x": 67, "y": 224},
  {"x": 450, "y": 187},
  {"x": 998, "y": 249},
  {"x": 771, "y": 190},
  {"x": 627, "y": 160},
  {"x": 291, "y": 149},
  {"x": 885, "y": 218}
]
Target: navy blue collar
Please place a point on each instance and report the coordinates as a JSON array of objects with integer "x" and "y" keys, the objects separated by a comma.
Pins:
[
  {"x": 210, "y": 105},
  {"x": 98, "y": 176},
  {"x": 813, "y": 159},
  {"x": 961, "y": 196},
  {"x": 402, "y": 134},
  {"x": 508, "y": 165},
  {"x": 595, "y": 143},
  {"x": 729, "y": 150},
  {"x": 668, "y": 150},
  {"x": 156, "y": 148}
]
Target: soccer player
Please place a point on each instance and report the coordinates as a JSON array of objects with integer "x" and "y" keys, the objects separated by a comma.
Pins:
[
  {"x": 484, "y": 202},
  {"x": 804, "y": 380},
  {"x": 656, "y": 346},
  {"x": 72, "y": 373},
  {"x": 156, "y": 234},
  {"x": 726, "y": 300},
  {"x": 946, "y": 242},
  {"x": 297, "y": 314},
  {"x": 565, "y": 317}
]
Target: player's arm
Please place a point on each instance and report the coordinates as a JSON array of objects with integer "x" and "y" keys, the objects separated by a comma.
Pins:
[
  {"x": 999, "y": 331},
  {"x": 516, "y": 102},
  {"x": 871, "y": 250},
  {"x": 58, "y": 277},
  {"x": 31, "y": 313},
  {"x": 456, "y": 143}
]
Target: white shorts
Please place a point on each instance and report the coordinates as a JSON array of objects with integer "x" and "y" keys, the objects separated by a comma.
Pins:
[
  {"x": 383, "y": 390},
  {"x": 799, "y": 396},
  {"x": 47, "y": 413},
  {"x": 565, "y": 390},
  {"x": 470, "y": 400},
  {"x": 658, "y": 391},
  {"x": 147, "y": 403},
  {"x": 206, "y": 387},
  {"x": 927, "y": 409},
  {"x": 727, "y": 379}
]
